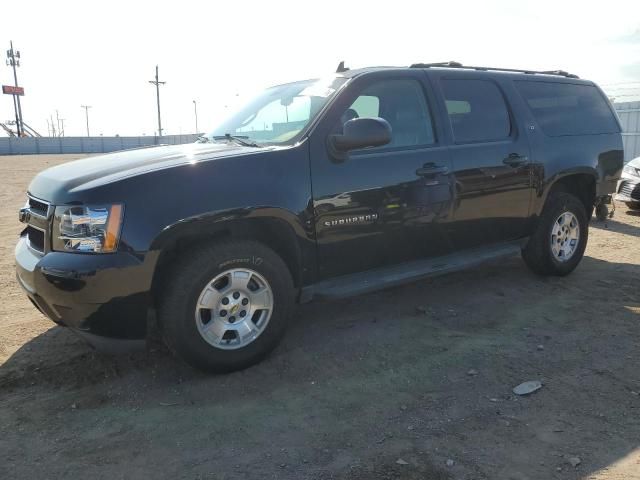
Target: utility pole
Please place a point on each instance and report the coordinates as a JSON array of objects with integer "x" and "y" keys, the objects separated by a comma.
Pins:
[
  {"x": 157, "y": 83},
  {"x": 86, "y": 113},
  {"x": 60, "y": 122},
  {"x": 195, "y": 111},
  {"x": 13, "y": 60}
]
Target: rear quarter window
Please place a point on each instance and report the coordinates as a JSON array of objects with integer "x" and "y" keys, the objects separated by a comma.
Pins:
[{"x": 567, "y": 108}]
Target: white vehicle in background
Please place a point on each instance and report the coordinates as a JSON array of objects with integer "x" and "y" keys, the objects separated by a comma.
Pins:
[{"x": 629, "y": 185}]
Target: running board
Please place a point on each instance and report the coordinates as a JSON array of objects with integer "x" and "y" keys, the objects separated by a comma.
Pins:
[{"x": 381, "y": 278}]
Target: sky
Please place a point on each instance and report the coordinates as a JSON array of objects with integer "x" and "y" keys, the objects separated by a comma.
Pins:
[{"x": 103, "y": 54}]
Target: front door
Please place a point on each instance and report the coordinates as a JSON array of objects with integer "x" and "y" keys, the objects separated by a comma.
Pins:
[
  {"x": 491, "y": 160},
  {"x": 388, "y": 204}
]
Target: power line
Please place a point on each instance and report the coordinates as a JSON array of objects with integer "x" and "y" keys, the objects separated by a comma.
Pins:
[
  {"x": 618, "y": 83},
  {"x": 622, "y": 88}
]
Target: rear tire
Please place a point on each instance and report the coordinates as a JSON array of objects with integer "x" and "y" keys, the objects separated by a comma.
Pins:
[
  {"x": 226, "y": 305},
  {"x": 553, "y": 249},
  {"x": 633, "y": 205}
]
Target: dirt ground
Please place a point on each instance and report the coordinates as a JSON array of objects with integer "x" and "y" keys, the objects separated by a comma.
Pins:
[{"x": 410, "y": 383}]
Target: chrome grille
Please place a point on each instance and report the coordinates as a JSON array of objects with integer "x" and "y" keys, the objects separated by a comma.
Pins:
[
  {"x": 38, "y": 207},
  {"x": 35, "y": 238},
  {"x": 36, "y": 214},
  {"x": 630, "y": 190}
]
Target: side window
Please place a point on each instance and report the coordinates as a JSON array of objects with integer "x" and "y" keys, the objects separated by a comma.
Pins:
[
  {"x": 568, "y": 108},
  {"x": 402, "y": 104},
  {"x": 476, "y": 109},
  {"x": 367, "y": 106}
]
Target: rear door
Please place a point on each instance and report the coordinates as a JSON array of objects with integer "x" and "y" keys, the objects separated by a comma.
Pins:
[
  {"x": 490, "y": 157},
  {"x": 388, "y": 204}
]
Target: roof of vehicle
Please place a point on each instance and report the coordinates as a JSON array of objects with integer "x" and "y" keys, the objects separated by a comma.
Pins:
[{"x": 348, "y": 73}]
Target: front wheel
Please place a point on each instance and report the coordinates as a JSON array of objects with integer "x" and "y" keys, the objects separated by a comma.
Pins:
[
  {"x": 558, "y": 243},
  {"x": 226, "y": 306}
]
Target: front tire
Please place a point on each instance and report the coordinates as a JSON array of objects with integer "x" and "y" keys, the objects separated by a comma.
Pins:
[
  {"x": 559, "y": 241},
  {"x": 226, "y": 305}
]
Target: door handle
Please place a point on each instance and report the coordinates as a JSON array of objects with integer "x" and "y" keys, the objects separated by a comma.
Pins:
[
  {"x": 515, "y": 160},
  {"x": 431, "y": 170}
]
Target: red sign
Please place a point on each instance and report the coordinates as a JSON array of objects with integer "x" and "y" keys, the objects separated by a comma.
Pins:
[{"x": 11, "y": 90}]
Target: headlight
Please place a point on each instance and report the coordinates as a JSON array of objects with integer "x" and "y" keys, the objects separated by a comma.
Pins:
[
  {"x": 92, "y": 229},
  {"x": 631, "y": 171}
]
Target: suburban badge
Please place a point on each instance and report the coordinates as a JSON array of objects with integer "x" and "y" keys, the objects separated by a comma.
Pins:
[{"x": 353, "y": 220}]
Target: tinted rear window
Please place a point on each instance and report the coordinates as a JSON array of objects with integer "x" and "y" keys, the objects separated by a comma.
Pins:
[
  {"x": 567, "y": 108},
  {"x": 476, "y": 109}
]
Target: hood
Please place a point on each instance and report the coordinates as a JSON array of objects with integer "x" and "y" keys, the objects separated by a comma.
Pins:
[
  {"x": 635, "y": 162},
  {"x": 91, "y": 172}
]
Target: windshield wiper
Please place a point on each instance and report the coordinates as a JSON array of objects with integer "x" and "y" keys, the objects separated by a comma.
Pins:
[{"x": 239, "y": 139}]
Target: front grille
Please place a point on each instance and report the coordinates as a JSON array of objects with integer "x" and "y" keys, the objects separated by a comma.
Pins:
[
  {"x": 630, "y": 190},
  {"x": 36, "y": 214},
  {"x": 38, "y": 207},
  {"x": 35, "y": 238}
]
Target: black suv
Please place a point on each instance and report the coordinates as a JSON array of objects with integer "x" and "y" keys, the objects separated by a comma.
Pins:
[{"x": 318, "y": 189}]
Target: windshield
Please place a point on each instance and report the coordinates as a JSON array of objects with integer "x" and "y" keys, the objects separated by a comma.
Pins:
[{"x": 278, "y": 115}]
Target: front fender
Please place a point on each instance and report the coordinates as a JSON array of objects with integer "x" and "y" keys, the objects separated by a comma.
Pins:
[
  {"x": 287, "y": 233},
  {"x": 212, "y": 222}
]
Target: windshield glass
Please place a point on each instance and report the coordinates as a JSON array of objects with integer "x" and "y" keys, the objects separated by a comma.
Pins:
[{"x": 278, "y": 115}]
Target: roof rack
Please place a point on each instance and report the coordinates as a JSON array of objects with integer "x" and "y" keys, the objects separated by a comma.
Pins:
[{"x": 452, "y": 64}]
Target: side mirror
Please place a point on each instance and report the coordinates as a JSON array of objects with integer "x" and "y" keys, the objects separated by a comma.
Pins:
[{"x": 360, "y": 133}]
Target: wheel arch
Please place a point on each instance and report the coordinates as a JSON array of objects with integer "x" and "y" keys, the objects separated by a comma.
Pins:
[
  {"x": 275, "y": 228},
  {"x": 580, "y": 182}
]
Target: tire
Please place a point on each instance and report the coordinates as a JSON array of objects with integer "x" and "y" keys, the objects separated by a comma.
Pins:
[
  {"x": 539, "y": 254},
  {"x": 633, "y": 205},
  {"x": 190, "y": 284}
]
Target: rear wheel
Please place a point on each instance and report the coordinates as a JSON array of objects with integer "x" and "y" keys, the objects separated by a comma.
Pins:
[
  {"x": 226, "y": 306},
  {"x": 558, "y": 244},
  {"x": 633, "y": 205}
]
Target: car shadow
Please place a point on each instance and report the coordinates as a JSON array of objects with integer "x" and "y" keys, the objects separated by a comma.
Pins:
[
  {"x": 359, "y": 372},
  {"x": 615, "y": 225},
  {"x": 60, "y": 358}
]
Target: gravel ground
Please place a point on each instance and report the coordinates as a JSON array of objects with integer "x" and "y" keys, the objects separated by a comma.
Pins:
[{"x": 410, "y": 383}]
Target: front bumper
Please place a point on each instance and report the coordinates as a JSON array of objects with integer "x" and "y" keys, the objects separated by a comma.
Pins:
[
  {"x": 104, "y": 298},
  {"x": 628, "y": 189}
]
